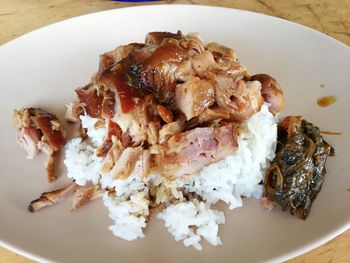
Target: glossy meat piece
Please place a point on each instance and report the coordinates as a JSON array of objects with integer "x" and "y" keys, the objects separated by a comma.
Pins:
[
  {"x": 157, "y": 74},
  {"x": 188, "y": 152},
  {"x": 109, "y": 58},
  {"x": 271, "y": 92},
  {"x": 164, "y": 113},
  {"x": 98, "y": 100},
  {"x": 156, "y": 38},
  {"x": 49, "y": 125},
  {"x": 194, "y": 96}
]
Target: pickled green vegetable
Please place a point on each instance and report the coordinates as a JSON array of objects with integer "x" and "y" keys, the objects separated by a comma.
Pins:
[{"x": 297, "y": 173}]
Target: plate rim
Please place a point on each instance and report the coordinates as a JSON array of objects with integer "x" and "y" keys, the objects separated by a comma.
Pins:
[{"x": 292, "y": 254}]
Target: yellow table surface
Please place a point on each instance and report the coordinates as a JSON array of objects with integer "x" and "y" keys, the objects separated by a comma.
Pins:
[{"x": 330, "y": 17}]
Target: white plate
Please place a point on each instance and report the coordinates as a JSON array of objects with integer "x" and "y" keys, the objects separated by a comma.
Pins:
[{"x": 44, "y": 67}]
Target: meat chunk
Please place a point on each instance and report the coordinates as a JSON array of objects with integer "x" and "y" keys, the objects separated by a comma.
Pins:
[
  {"x": 158, "y": 71},
  {"x": 52, "y": 198},
  {"x": 112, "y": 156},
  {"x": 99, "y": 101},
  {"x": 126, "y": 163},
  {"x": 188, "y": 152},
  {"x": 271, "y": 92},
  {"x": 28, "y": 139},
  {"x": 213, "y": 114},
  {"x": 193, "y": 44},
  {"x": 210, "y": 116},
  {"x": 109, "y": 58},
  {"x": 156, "y": 38},
  {"x": 85, "y": 194},
  {"x": 39, "y": 130},
  {"x": 165, "y": 114},
  {"x": 221, "y": 52},
  {"x": 134, "y": 124},
  {"x": 202, "y": 62},
  {"x": 194, "y": 96},
  {"x": 113, "y": 129},
  {"x": 241, "y": 99},
  {"x": 170, "y": 129}
]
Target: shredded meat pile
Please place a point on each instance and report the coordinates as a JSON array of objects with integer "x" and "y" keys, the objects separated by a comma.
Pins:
[{"x": 174, "y": 101}]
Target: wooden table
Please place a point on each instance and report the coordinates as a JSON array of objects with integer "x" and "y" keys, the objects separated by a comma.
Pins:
[{"x": 330, "y": 17}]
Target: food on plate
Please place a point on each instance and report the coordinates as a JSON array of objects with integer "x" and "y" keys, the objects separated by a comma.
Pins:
[
  {"x": 52, "y": 198},
  {"x": 176, "y": 124},
  {"x": 271, "y": 92},
  {"x": 81, "y": 196},
  {"x": 39, "y": 130},
  {"x": 297, "y": 173}
]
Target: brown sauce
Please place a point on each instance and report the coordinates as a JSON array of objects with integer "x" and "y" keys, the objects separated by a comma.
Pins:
[
  {"x": 326, "y": 101},
  {"x": 129, "y": 96}
]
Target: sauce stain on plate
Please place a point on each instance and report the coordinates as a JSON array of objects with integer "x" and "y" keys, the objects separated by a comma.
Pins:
[{"x": 326, "y": 101}]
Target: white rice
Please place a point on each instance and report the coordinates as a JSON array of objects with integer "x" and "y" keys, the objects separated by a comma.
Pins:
[
  {"x": 129, "y": 216},
  {"x": 96, "y": 135},
  {"x": 188, "y": 220},
  {"x": 81, "y": 162},
  {"x": 192, "y": 220}
]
